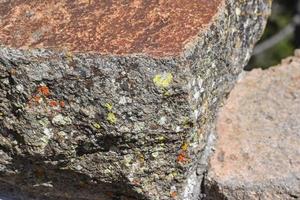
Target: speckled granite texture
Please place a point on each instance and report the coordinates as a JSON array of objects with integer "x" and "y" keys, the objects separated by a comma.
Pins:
[{"x": 116, "y": 99}]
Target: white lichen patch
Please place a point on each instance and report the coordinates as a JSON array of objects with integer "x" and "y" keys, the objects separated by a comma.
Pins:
[
  {"x": 155, "y": 154},
  {"x": 78, "y": 167},
  {"x": 60, "y": 120},
  {"x": 197, "y": 95},
  {"x": 139, "y": 126},
  {"x": 238, "y": 11},
  {"x": 162, "y": 120},
  {"x": 44, "y": 140},
  {"x": 20, "y": 88},
  {"x": 44, "y": 122},
  {"x": 178, "y": 129},
  {"x": 200, "y": 82},
  {"x": 48, "y": 184},
  {"x": 48, "y": 133},
  {"x": 196, "y": 114},
  {"x": 122, "y": 100}
]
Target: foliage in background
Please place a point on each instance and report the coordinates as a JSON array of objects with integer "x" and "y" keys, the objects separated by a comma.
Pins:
[{"x": 282, "y": 14}]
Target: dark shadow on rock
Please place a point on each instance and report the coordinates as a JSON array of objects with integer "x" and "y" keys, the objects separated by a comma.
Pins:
[{"x": 37, "y": 180}]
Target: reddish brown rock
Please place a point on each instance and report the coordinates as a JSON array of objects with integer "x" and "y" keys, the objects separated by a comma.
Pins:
[
  {"x": 257, "y": 153},
  {"x": 106, "y": 27},
  {"x": 116, "y": 99}
]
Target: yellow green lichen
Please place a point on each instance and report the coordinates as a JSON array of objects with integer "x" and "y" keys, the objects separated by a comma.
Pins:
[
  {"x": 140, "y": 157},
  {"x": 184, "y": 146},
  {"x": 96, "y": 125},
  {"x": 163, "y": 80},
  {"x": 187, "y": 123},
  {"x": 111, "y": 118},
  {"x": 161, "y": 138},
  {"x": 167, "y": 93},
  {"x": 69, "y": 56},
  {"x": 108, "y": 106},
  {"x": 174, "y": 174}
]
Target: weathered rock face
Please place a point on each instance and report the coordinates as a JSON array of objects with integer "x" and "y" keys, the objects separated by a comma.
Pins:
[
  {"x": 116, "y": 99},
  {"x": 110, "y": 27},
  {"x": 257, "y": 152}
]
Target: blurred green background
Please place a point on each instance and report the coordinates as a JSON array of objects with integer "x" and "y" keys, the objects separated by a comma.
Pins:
[{"x": 281, "y": 37}]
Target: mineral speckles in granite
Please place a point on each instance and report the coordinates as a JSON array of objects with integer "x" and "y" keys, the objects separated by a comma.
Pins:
[
  {"x": 155, "y": 27},
  {"x": 117, "y": 126}
]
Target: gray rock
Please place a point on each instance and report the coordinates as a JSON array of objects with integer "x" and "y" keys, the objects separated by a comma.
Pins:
[
  {"x": 257, "y": 154},
  {"x": 130, "y": 121}
]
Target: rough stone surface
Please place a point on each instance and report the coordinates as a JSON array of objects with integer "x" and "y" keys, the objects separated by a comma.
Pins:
[
  {"x": 118, "y": 26},
  {"x": 257, "y": 154},
  {"x": 120, "y": 115}
]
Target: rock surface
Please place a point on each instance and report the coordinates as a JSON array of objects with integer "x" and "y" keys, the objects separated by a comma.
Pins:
[
  {"x": 257, "y": 154},
  {"x": 116, "y": 99},
  {"x": 109, "y": 27}
]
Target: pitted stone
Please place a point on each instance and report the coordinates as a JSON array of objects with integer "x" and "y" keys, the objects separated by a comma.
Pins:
[{"x": 116, "y": 99}]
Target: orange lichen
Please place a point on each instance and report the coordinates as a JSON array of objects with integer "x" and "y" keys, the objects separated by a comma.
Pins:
[
  {"x": 44, "y": 90},
  {"x": 42, "y": 95},
  {"x": 36, "y": 99},
  {"x": 181, "y": 158},
  {"x": 173, "y": 194},
  {"x": 53, "y": 103},
  {"x": 62, "y": 104}
]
